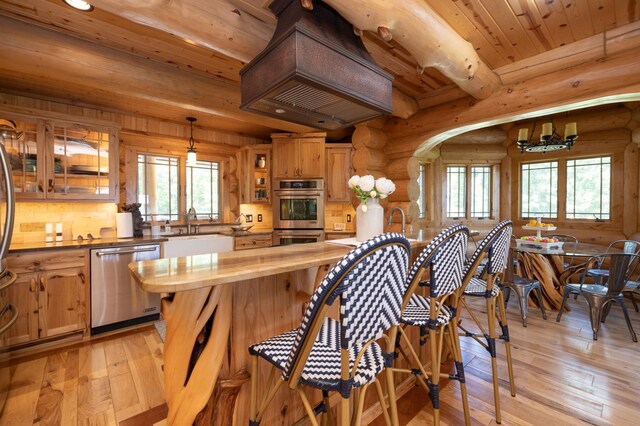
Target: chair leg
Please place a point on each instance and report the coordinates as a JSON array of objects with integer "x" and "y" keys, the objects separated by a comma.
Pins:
[
  {"x": 626, "y": 317},
  {"x": 507, "y": 294},
  {"x": 391, "y": 391},
  {"x": 491, "y": 342},
  {"x": 540, "y": 300},
  {"x": 457, "y": 357},
  {"x": 633, "y": 300},
  {"x": 507, "y": 343},
  {"x": 434, "y": 385},
  {"x": 523, "y": 302},
  {"x": 565, "y": 296},
  {"x": 254, "y": 389},
  {"x": 595, "y": 313}
]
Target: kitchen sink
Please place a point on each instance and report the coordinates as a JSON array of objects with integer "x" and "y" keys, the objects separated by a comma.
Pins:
[{"x": 190, "y": 245}]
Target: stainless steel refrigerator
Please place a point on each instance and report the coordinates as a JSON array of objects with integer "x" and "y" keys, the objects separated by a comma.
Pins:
[{"x": 8, "y": 311}]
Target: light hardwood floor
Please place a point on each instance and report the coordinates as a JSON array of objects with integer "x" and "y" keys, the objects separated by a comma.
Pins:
[{"x": 562, "y": 376}]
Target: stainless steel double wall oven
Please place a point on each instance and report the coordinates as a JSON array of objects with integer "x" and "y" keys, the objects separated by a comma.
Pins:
[{"x": 298, "y": 211}]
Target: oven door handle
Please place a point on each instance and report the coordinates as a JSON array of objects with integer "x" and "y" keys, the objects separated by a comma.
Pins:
[
  {"x": 297, "y": 194},
  {"x": 298, "y": 233},
  {"x": 14, "y": 316}
]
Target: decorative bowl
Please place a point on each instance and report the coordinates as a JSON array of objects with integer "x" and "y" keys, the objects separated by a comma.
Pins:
[{"x": 240, "y": 228}]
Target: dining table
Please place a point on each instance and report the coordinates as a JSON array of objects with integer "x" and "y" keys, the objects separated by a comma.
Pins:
[{"x": 548, "y": 266}]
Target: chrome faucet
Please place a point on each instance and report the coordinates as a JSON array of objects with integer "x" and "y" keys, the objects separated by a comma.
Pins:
[
  {"x": 404, "y": 218},
  {"x": 191, "y": 216}
]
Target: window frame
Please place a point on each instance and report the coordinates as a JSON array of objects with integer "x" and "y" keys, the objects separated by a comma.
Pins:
[
  {"x": 131, "y": 177},
  {"x": 494, "y": 193},
  {"x": 562, "y": 200},
  {"x": 423, "y": 178}
]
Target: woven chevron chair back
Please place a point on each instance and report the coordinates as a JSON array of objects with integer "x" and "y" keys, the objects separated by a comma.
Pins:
[
  {"x": 496, "y": 247},
  {"x": 444, "y": 257},
  {"x": 370, "y": 282}
]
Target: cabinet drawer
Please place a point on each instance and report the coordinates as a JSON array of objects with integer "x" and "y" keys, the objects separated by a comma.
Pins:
[
  {"x": 45, "y": 260},
  {"x": 253, "y": 241}
]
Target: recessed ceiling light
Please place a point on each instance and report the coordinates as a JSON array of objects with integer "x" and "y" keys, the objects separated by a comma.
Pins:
[{"x": 80, "y": 5}]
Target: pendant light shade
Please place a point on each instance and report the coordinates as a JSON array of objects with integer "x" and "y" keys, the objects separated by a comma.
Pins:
[{"x": 191, "y": 151}]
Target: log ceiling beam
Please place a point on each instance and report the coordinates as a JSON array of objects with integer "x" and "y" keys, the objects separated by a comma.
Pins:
[
  {"x": 411, "y": 23},
  {"x": 601, "y": 81},
  {"x": 426, "y": 36},
  {"x": 84, "y": 70}
]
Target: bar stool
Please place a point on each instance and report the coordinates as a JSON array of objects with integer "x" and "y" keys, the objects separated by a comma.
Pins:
[
  {"x": 442, "y": 261},
  {"x": 342, "y": 355},
  {"x": 495, "y": 248}
]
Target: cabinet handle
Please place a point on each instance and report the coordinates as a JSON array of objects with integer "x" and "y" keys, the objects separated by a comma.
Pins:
[
  {"x": 81, "y": 275},
  {"x": 50, "y": 188},
  {"x": 40, "y": 187},
  {"x": 32, "y": 285},
  {"x": 42, "y": 284}
]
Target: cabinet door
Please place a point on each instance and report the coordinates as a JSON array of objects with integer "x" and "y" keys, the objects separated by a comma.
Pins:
[
  {"x": 338, "y": 174},
  {"x": 23, "y": 294},
  {"x": 26, "y": 157},
  {"x": 311, "y": 157},
  {"x": 81, "y": 163},
  {"x": 61, "y": 301},
  {"x": 285, "y": 159}
]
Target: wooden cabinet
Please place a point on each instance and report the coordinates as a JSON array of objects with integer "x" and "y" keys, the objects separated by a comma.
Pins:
[
  {"x": 64, "y": 160},
  {"x": 252, "y": 241},
  {"x": 256, "y": 168},
  {"x": 298, "y": 155},
  {"x": 50, "y": 295},
  {"x": 338, "y": 172}
]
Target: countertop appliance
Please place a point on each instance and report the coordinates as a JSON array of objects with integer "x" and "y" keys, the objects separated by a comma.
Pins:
[
  {"x": 298, "y": 204},
  {"x": 8, "y": 311},
  {"x": 116, "y": 300}
]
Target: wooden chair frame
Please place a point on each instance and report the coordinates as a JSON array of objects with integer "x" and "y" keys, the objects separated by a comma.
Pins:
[
  {"x": 293, "y": 382},
  {"x": 429, "y": 378},
  {"x": 494, "y": 315}
]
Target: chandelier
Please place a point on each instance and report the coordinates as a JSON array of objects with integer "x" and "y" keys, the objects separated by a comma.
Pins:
[
  {"x": 191, "y": 150},
  {"x": 550, "y": 140}
]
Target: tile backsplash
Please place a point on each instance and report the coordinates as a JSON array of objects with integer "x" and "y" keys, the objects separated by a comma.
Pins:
[
  {"x": 76, "y": 218},
  {"x": 337, "y": 213}
]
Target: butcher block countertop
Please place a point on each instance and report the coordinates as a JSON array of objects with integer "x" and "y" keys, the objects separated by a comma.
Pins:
[{"x": 192, "y": 272}]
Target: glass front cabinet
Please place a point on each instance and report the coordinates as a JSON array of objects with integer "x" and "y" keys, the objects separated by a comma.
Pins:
[{"x": 63, "y": 160}]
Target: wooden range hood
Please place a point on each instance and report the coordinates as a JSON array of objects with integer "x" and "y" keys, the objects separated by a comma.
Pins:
[{"x": 315, "y": 71}]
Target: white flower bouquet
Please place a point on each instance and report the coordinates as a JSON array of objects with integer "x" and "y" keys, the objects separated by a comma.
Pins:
[{"x": 366, "y": 187}]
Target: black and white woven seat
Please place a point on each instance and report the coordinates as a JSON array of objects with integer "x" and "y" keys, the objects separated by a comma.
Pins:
[
  {"x": 478, "y": 288},
  {"x": 342, "y": 354},
  {"x": 442, "y": 262},
  {"x": 495, "y": 249}
]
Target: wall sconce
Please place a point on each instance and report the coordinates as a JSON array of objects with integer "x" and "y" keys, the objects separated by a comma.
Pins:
[
  {"x": 191, "y": 151},
  {"x": 550, "y": 140}
]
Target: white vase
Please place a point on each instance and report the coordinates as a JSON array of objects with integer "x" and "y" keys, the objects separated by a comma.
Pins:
[{"x": 369, "y": 221}]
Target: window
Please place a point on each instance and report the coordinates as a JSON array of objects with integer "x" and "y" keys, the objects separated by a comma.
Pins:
[
  {"x": 589, "y": 188},
  {"x": 422, "y": 198},
  {"x": 158, "y": 187},
  {"x": 456, "y": 191},
  {"x": 539, "y": 191},
  {"x": 469, "y": 192},
  {"x": 203, "y": 188}
]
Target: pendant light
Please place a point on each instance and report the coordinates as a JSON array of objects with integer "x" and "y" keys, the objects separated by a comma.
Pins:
[{"x": 191, "y": 151}]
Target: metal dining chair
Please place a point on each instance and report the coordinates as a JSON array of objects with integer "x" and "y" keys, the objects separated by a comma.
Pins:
[
  {"x": 600, "y": 296},
  {"x": 523, "y": 287},
  {"x": 627, "y": 246},
  {"x": 341, "y": 355},
  {"x": 494, "y": 247},
  {"x": 442, "y": 263}
]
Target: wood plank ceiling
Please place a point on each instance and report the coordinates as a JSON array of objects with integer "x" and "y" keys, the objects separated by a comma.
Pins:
[{"x": 503, "y": 32}]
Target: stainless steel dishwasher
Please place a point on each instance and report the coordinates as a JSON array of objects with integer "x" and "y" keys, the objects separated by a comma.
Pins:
[{"x": 116, "y": 300}]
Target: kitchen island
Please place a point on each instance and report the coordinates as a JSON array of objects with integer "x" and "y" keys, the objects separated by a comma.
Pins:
[{"x": 220, "y": 304}]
